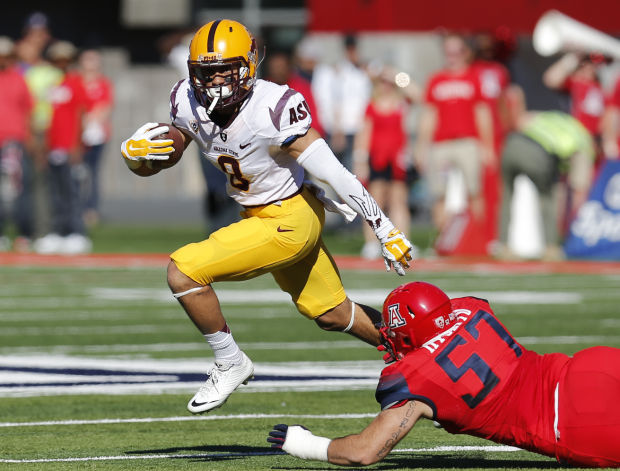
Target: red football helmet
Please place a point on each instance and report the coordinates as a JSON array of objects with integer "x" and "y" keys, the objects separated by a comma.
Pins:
[{"x": 412, "y": 314}]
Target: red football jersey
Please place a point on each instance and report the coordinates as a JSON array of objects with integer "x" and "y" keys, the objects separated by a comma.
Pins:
[
  {"x": 454, "y": 95},
  {"x": 479, "y": 380}
]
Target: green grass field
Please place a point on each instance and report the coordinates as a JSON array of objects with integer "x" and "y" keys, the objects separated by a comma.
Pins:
[{"x": 97, "y": 365}]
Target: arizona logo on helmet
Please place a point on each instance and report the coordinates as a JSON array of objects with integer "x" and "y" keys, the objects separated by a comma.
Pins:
[{"x": 396, "y": 320}]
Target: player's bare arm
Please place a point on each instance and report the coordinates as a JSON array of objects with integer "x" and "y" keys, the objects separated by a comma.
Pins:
[
  {"x": 315, "y": 156},
  {"x": 379, "y": 438},
  {"x": 363, "y": 449}
]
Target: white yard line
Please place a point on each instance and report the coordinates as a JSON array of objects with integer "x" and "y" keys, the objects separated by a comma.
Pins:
[
  {"x": 181, "y": 347},
  {"x": 190, "y": 418},
  {"x": 282, "y": 385},
  {"x": 367, "y": 296},
  {"x": 92, "y": 330},
  {"x": 196, "y": 365},
  {"x": 274, "y": 346},
  {"x": 487, "y": 449}
]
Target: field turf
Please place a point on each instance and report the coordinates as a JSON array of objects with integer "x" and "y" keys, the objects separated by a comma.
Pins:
[{"x": 97, "y": 363}]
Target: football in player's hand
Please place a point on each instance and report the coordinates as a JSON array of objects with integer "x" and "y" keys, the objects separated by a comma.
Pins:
[{"x": 179, "y": 146}]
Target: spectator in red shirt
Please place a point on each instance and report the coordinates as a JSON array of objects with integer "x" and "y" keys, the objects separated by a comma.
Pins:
[
  {"x": 65, "y": 168},
  {"x": 97, "y": 126},
  {"x": 578, "y": 77},
  {"x": 610, "y": 125},
  {"x": 456, "y": 130},
  {"x": 15, "y": 167},
  {"x": 380, "y": 154}
]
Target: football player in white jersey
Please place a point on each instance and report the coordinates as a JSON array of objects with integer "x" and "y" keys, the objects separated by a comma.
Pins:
[{"x": 260, "y": 135}]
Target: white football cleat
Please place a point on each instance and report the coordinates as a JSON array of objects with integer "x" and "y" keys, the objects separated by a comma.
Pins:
[{"x": 222, "y": 381}]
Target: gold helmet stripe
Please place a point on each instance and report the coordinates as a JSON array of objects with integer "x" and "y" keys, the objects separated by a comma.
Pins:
[{"x": 211, "y": 38}]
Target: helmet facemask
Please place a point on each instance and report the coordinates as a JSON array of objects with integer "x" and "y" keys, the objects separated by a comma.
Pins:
[
  {"x": 396, "y": 344},
  {"x": 233, "y": 83}
]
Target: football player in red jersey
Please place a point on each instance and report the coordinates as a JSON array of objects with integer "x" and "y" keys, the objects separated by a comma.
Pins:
[
  {"x": 260, "y": 135},
  {"x": 454, "y": 362}
]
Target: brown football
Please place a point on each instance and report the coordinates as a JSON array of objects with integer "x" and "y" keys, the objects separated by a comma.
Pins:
[{"x": 179, "y": 146}]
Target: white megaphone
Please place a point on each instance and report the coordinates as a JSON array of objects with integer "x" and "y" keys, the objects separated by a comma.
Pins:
[{"x": 557, "y": 32}]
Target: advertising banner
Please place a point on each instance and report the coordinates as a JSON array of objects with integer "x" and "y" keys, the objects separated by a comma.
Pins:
[{"x": 595, "y": 232}]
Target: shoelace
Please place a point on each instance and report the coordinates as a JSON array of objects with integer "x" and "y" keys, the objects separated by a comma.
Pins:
[{"x": 214, "y": 376}]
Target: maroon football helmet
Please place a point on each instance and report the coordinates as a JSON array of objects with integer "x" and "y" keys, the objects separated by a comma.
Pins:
[{"x": 412, "y": 314}]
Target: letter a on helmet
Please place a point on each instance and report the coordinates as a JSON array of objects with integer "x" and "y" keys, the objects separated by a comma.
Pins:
[{"x": 396, "y": 319}]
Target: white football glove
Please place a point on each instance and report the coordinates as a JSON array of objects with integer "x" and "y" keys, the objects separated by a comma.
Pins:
[
  {"x": 396, "y": 250},
  {"x": 143, "y": 145},
  {"x": 298, "y": 441}
]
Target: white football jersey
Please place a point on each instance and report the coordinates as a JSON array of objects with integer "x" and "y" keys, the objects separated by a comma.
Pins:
[{"x": 249, "y": 149}]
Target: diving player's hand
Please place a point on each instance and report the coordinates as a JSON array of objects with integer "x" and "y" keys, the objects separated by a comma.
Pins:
[
  {"x": 298, "y": 441},
  {"x": 277, "y": 437},
  {"x": 396, "y": 250},
  {"x": 144, "y": 145}
]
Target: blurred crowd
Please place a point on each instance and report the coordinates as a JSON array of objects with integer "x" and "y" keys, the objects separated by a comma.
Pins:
[
  {"x": 55, "y": 108},
  {"x": 474, "y": 136}
]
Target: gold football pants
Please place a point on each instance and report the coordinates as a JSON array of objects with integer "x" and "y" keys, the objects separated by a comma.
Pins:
[{"x": 284, "y": 239}]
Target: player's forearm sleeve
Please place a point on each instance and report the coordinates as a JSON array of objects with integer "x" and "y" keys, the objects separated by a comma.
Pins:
[{"x": 319, "y": 160}]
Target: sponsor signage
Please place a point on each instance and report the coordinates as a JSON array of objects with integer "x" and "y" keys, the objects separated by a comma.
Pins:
[{"x": 595, "y": 232}]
